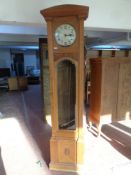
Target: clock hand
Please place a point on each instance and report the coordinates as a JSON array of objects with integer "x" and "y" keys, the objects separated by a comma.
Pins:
[{"x": 68, "y": 35}]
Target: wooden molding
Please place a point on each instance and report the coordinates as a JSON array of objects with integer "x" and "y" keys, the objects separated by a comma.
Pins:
[{"x": 65, "y": 10}]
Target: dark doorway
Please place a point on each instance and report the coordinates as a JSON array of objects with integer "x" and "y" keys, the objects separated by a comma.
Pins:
[{"x": 18, "y": 61}]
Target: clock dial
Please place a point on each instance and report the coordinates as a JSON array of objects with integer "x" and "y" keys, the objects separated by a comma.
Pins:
[{"x": 65, "y": 35}]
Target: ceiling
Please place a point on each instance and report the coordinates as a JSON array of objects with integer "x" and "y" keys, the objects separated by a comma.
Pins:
[
  {"x": 108, "y": 25},
  {"x": 108, "y": 40}
]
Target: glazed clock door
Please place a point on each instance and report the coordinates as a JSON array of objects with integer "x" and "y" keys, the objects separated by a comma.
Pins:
[{"x": 66, "y": 90}]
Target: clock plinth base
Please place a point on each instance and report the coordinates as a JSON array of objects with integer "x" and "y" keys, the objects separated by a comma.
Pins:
[
  {"x": 65, "y": 167},
  {"x": 69, "y": 167},
  {"x": 66, "y": 154}
]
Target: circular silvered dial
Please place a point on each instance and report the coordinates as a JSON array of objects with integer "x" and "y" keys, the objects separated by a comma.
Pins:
[{"x": 65, "y": 35}]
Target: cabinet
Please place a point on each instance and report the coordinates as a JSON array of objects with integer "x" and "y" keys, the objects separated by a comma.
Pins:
[
  {"x": 17, "y": 83},
  {"x": 110, "y": 90}
]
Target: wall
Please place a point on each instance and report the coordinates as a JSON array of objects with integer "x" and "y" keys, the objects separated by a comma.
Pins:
[
  {"x": 103, "y": 13},
  {"x": 5, "y": 59}
]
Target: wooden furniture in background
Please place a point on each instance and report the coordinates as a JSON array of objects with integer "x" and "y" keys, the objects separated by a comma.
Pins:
[
  {"x": 13, "y": 84},
  {"x": 66, "y": 67},
  {"x": 17, "y": 83},
  {"x": 33, "y": 79},
  {"x": 110, "y": 90},
  {"x": 4, "y": 72}
]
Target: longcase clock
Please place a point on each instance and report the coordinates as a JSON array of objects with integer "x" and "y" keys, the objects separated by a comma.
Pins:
[{"x": 65, "y": 25}]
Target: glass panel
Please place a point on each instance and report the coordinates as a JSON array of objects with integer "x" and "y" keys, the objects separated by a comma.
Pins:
[{"x": 66, "y": 89}]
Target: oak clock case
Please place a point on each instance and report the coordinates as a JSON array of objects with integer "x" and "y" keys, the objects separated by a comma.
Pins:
[
  {"x": 65, "y": 37},
  {"x": 66, "y": 64},
  {"x": 65, "y": 43},
  {"x": 65, "y": 71}
]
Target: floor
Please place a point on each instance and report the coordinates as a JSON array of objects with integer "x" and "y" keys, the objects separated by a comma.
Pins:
[{"x": 24, "y": 140}]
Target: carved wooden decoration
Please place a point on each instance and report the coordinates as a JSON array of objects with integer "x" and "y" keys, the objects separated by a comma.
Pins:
[{"x": 65, "y": 25}]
